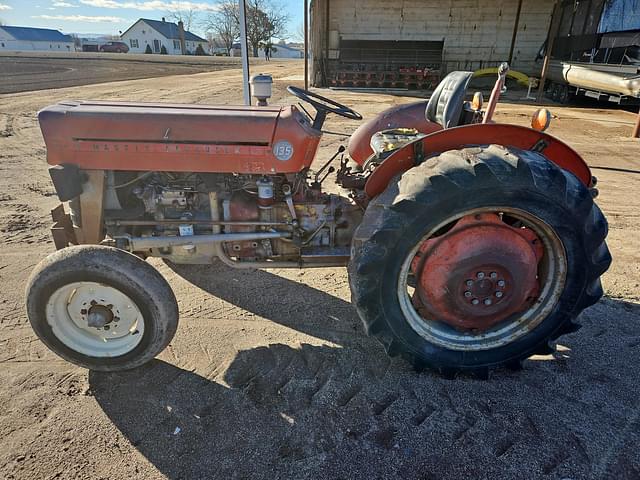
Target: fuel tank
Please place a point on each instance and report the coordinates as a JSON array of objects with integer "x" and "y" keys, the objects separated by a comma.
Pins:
[
  {"x": 410, "y": 115},
  {"x": 602, "y": 78},
  {"x": 178, "y": 138}
]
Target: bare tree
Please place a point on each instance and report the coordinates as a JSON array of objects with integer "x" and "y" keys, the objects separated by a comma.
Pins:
[
  {"x": 299, "y": 33},
  {"x": 189, "y": 17},
  {"x": 265, "y": 20},
  {"x": 223, "y": 23},
  {"x": 77, "y": 41}
]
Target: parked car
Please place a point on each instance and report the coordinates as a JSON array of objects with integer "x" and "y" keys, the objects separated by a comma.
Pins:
[
  {"x": 114, "y": 47},
  {"x": 220, "y": 52}
]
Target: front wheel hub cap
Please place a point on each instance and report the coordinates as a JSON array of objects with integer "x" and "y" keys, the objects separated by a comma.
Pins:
[
  {"x": 99, "y": 316},
  {"x": 478, "y": 273}
]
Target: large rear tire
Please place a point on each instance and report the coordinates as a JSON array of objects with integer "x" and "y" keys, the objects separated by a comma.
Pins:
[
  {"x": 101, "y": 308},
  {"x": 542, "y": 215}
]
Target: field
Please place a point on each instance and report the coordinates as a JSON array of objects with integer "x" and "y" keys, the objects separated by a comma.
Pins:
[
  {"x": 271, "y": 375},
  {"x": 29, "y": 71}
]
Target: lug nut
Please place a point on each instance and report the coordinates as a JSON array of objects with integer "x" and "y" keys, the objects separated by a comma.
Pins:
[
  {"x": 475, "y": 301},
  {"x": 501, "y": 283},
  {"x": 487, "y": 301},
  {"x": 480, "y": 275},
  {"x": 467, "y": 294},
  {"x": 499, "y": 294},
  {"x": 106, "y": 327},
  {"x": 469, "y": 283},
  {"x": 494, "y": 275}
]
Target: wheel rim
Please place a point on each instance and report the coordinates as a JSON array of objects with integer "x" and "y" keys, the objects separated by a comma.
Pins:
[
  {"x": 482, "y": 279},
  {"x": 94, "y": 319}
]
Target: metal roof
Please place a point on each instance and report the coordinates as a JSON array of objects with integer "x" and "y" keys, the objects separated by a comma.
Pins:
[
  {"x": 36, "y": 34},
  {"x": 168, "y": 30}
]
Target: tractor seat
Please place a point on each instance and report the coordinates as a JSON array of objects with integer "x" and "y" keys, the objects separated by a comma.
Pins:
[
  {"x": 444, "y": 107},
  {"x": 446, "y": 102}
]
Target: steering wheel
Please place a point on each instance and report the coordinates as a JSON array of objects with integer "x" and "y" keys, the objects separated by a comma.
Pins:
[{"x": 323, "y": 106}]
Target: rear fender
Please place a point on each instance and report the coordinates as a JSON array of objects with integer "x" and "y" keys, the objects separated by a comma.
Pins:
[
  {"x": 410, "y": 115},
  {"x": 456, "y": 138}
]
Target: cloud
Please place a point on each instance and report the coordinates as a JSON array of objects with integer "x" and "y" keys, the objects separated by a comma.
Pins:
[
  {"x": 5, "y": 7},
  {"x": 152, "y": 5},
  {"x": 65, "y": 5},
  {"x": 81, "y": 18}
]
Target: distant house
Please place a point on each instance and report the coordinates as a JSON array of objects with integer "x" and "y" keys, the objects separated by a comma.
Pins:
[
  {"x": 28, "y": 38},
  {"x": 157, "y": 34}
]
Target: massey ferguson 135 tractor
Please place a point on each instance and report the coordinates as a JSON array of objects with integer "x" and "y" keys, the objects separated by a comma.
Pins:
[{"x": 469, "y": 244}]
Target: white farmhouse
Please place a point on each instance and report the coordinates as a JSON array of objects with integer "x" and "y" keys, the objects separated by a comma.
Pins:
[
  {"x": 27, "y": 38},
  {"x": 157, "y": 34}
]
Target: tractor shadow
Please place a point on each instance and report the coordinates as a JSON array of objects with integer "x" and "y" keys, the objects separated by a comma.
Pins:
[
  {"x": 309, "y": 411},
  {"x": 272, "y": 407},
  {"x": 278, "y": 299}
]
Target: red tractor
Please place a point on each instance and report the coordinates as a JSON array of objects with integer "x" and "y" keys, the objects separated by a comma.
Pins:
[{"x": 469, "y": 244}]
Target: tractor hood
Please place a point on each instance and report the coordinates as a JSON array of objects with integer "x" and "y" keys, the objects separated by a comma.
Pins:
[{"x": 176, "y": 137}]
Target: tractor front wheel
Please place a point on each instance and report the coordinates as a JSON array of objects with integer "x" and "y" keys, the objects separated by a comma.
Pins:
[
  {"x": 478, "y": 258},
  {"x": 101, "y": 308}
]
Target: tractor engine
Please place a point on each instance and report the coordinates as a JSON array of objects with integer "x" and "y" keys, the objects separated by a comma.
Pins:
[{"x": 316, "y": 227}]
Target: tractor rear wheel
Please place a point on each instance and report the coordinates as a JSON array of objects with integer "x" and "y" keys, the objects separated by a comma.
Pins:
[
  {"x": 478, "y": 258},
  {"x": 101, "y": 308}
]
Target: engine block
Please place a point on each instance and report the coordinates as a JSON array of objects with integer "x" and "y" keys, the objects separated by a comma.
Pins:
[{"x": 170, "y": 204}]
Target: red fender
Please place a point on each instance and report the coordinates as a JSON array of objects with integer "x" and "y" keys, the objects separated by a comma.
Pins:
[{"x": 478, "y": 134}]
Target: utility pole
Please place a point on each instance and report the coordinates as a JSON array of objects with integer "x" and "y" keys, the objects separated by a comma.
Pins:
[
  {"x": 245, "y": 52},
  {"x": 516, "y": 24},
  {"x": 306, "y": 44},
  {"x": 554, "y": 27}
]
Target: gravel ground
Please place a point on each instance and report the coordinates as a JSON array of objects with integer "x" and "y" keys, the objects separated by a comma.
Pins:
[{"x": 270, "y": 374}]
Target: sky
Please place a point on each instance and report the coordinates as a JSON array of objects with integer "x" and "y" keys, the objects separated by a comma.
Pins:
[{"x": 112, "y": 16}]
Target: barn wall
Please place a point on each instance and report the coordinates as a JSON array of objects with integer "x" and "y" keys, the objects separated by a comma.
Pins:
[{"x": 476, "y": 33}]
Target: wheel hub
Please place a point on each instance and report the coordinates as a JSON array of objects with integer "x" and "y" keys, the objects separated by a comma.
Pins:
[
  {"x": 99, "y": 316},
  {"x": 95, "y": 319},
  {"x": 478, "y": 273}
]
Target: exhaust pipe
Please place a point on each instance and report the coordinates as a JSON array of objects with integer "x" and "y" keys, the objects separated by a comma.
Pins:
[{"x": 136, "y": 244}]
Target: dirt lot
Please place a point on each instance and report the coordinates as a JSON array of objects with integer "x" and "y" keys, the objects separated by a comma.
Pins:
[
  {"x": 41, "y": 70},
  {"x": 270, "y": 374}
]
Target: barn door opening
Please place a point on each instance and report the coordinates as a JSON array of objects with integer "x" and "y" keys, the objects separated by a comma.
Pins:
[{"x": 156, "y": 46}]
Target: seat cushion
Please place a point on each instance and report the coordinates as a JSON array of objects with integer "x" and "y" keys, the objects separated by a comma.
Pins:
[{"x": 446, "y": 102}]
